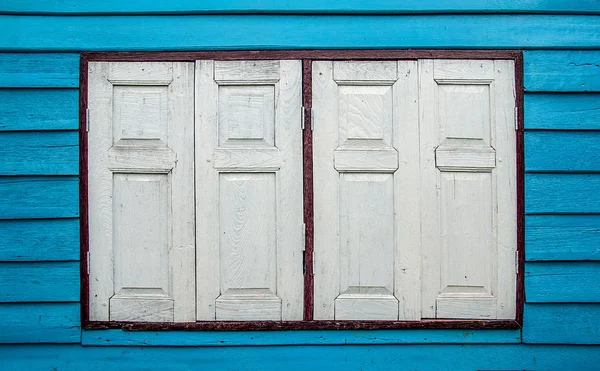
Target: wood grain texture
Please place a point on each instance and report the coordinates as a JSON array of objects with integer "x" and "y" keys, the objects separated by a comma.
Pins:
[
  {"x": 39, "y": 70},
  {"x": 562, "y": 282},
  {"x": 561, "y": 324},
  {"x": 562, "y": 111},
  {"x": 39, "y": 197},
  {"x": 562, "y": 237},
  {"x": 38, "y": 109},
  {"x": 306, "y": 7},
  {"x": 40, "y": 323},
  {"x": 562, "y": 194},
  {"x": 562, "y": 151},
  {"x": 39, "y": 153},
  {"x": 39, "y": 240},
  {"x": 562, "y": 71},
  {"x": 39, "y": 282},
  {"x": 155, "y": 33}
]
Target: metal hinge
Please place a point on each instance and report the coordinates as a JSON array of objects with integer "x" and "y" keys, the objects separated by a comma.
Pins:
[
  {"x": 312, "y": 119},
  {"x": 88, "y": 263},
  {"x": 517, "y": 118},
  {"x": 303, "y": 236},
  {"x": 303, "y": 114},
  {"x": 87, "y": 119},
  {"x": 516, "y": 261}
]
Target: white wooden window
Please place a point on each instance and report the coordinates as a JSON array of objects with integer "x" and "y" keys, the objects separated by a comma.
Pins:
[
  {"x": 416, "y": 211},
  {"x": 196, "y": 190}
]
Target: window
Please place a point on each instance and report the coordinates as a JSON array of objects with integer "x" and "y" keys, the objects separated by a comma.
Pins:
[{"x": 196, "y": 190}]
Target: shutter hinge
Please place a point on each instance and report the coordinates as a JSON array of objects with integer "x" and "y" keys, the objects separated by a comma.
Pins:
[
  {"x": 303, "y": 236},
  {"x": 516, "y": 262},
  {"x": 303, "y": 114},
  {"x": 88, "y": 263},
  {"x": 312, "y": 119},
  {"x": 516, "y": 118},
  {"x": 87, "y": 119}
]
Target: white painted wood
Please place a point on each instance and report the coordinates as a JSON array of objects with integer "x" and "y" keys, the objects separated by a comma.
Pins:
[
  {"x": 363, "y": 125},
  {"x": 249, "y": 190},
  {"x": 140, "y": 187},
  {"x": 466, "y": 162}
]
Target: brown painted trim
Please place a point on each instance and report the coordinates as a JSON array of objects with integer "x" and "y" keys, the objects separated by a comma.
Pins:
[
  {"x": 307, "y": 56},
  {"x": 303, "y": 54},
  {"x": 307, "y": 325},
  {"x": 83, "y": 190}
]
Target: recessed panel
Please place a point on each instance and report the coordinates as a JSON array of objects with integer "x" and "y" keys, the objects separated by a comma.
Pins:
[
  {"x": 140, "y": 237},
  {"x": 248, "y": 232},
  {"x": 365, "y": 112},
  {"x": 140, "y": 112},
  {"x": 366, "y": 230},
  {"x": 246, "y": 114},
  {"x": 464, "y": 111},
  {"x": 467, "y": 232}
]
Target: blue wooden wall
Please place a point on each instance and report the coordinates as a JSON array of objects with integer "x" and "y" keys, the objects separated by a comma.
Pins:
[{"x": 39, "y": 209}]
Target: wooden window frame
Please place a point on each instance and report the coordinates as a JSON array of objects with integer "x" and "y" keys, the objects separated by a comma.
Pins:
[{"x": 307, "y": 57}]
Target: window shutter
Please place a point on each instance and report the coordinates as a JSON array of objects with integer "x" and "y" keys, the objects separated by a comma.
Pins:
[
  {"x": 249, "y": 190},
  {"x": 468, "y": 188},
  {"x": 140, "y": 192},
  {"x": 365, "y": 155}
]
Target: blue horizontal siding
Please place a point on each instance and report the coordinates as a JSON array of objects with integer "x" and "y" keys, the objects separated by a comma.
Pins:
[
  {"x": 562, "y": 151},
  {"x": 39, "y": 197},
  {"x": 39, "y": 240},
  {"x": 562, "y": 282},
  {"x": 155, "y": 33},
  {"x": 562, "y": 71},
  {"x": 562, "y": 194},
  {"x": 562, "y": 111},
  {"x": 39, "y": 109},
  {"x": 366, "y": 357},
  {"x": 263, "y": 338},
  {"x": 303, "y": 7},
  {"x": 561, "y": 324},
  {"x": 40, "y": 323},
  {"x": 39, "y": 153},
  {"x": 38, "y": 70},
  {"x": 562, "y": 237},
  {"x": 39, "y": 282}
]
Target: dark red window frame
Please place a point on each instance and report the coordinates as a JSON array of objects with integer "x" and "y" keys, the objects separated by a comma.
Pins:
[{"x": 307, "y": 57}]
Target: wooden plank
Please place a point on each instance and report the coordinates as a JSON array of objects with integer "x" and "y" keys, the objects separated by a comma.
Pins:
[
  {"x": 304, "y": 7},
  {"x": 562, "y": 193},
  {"x": 39, "y": 70},
  {"x": 39, "y": 197},
  {"x": 562, "y": 71},
  {"x": 337, "y": 357},
  {"x": 561, "y": 324},
  {"x": 38, "y": 109},
  {"x": 39, "y": 153},
  {"x": 562, "y": 151},
  {"x": 39, "y": 240},
  {"x": 562, "y": 237},
  {"x": 562, "y": 111},
  {"x": 151, "y": 33},
  {"x": 562, "y": 282},
  {"x": 39, "y": 282},
  {"x": 40, "y": 323}
]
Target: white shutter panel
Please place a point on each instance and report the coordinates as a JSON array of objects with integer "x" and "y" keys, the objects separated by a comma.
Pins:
[
  {"x": 367, "y": 220},
  {"x": 249, "y": 190},
  {"x": 141, "y": 192},
  {"x": 468, "y": 188}
]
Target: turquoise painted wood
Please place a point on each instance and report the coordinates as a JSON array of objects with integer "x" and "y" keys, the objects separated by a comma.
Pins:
[
  {"x": 40, "y": 323},
  {"x": 562, "y": 111},
  {"x": 562, "y": 193},
  {"x": 39, "y": 197},
  {"x": 303, "y": 7},
  {"x": 562, "y": 71},
  {"x": 39, "y": 109},
  {"x": 154, "y": 33},
  {"x": 39, "y": 282},
  {"x": 242, "y": 338},
  {"x": 562, "y": 282},
  {"x": 562, "y": 237},
  {"x": 39, "y": 240},
  {"x": 277, "y": 358},
  {"x": 39, "y": 153},
  {"x": 561, "y": 324},
  {"x": 562, "y": 151},
  {"x": 39, "y": 70}
]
